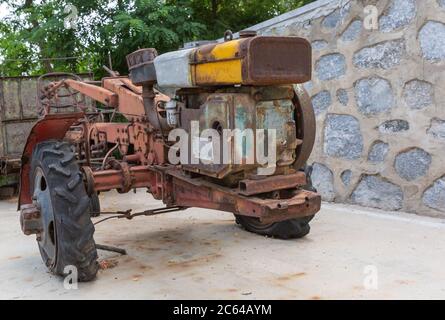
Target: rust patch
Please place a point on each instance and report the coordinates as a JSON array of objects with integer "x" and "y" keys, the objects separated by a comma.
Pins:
[
  {"x": 15, "y": 258},
  {"x": 145, "y": 267},
  {"x": 291, "y": 276},
  {"x": 136, "y": 277},
  {"x": 193, "y": 262},
  {"x": 108, "y": 264}
]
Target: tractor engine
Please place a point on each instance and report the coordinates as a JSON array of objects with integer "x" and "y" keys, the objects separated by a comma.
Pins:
[{"x": 239, "y": 95}]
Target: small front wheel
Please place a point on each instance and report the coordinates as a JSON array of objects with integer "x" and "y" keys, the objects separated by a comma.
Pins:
[{"x": 288, "y": 229}]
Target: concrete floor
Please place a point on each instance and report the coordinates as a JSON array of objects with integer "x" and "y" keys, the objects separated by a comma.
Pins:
[{"x": 203, "y": 254}]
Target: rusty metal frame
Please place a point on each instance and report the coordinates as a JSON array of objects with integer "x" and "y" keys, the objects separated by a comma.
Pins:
[
  {"x": 271, "y": 199},
  {"x": 189, "y": 192},
  {"x": 97, "y": 93},
  {"x": 177, "y": 189},
  {"x": 170, "y": 184},
  {"x": 273, "y": 183}
]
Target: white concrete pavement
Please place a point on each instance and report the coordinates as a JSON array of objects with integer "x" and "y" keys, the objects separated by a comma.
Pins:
[{"x": 203, "y": 254}]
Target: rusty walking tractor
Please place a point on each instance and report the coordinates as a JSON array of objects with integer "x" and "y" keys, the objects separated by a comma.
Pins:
[{"x": 253, "y": 82}]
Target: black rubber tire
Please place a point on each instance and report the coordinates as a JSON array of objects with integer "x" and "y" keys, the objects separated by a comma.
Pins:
[
  {"x": 94, "y": 205},
  {"x": 73, "y": 230},
  {"x": 288, "y": 229}
]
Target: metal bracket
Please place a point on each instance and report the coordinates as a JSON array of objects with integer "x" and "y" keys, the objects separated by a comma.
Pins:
[{"x": 30, "y": 219}]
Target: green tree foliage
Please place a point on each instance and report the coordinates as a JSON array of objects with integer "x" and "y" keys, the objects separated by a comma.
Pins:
[
  {"x": 35, "y": 30},
  {"x": 221, "y": 15},
  {"x": 145, "y": 23}
]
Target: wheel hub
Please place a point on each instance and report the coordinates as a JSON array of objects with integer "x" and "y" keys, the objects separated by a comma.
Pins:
[
  {"x": 30, "y": 219},
  {"x": 47, "y": 237}
]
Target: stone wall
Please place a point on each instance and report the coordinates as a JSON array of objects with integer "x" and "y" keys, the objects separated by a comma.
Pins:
[{"x": 379, "y": 98}]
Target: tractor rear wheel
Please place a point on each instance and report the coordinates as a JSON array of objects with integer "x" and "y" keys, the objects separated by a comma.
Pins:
[{"x": 58, "y": 189}]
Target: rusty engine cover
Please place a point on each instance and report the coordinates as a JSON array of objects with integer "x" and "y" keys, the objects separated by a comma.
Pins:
[{"x": 239, "y": 109}]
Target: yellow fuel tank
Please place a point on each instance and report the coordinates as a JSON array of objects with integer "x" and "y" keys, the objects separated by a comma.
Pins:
[
  {"x": 253, "y": 61},
  {"x": 259, "y": 60}
]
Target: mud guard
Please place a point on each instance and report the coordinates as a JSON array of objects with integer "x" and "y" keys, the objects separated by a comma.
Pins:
[{"x": 52, "y": 126}]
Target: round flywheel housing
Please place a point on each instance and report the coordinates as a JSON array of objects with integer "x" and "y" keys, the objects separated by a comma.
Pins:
[{"x": 305, "y": 124}]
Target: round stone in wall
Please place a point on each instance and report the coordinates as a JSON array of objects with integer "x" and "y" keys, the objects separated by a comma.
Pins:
[
  {"x": 374, "y": 95},
  {"x": 342, "y": 137},
  {"x": 378, "y": 152},
  {"x": 331, "y": 66},
  {"x": 399, "y": 14},
  {"x": 376, "y": 192},
  {"x": 393, "y": 126},
  {"x": 418, "y": 94},
  {"x": 434, "y": 196},
  {"x": 321, "y": 101},
  {"x": 437, "y": 128},
  {"x": 335, "y": 19},
  {"x": 412, "y": 164},
  {"x": 346, "y": 177},
  {"x": 319, "y": 44},
  {"x": 353, "y": 31},
  {"x": 432, "y": 41},
  {"x": 384, "y": 55},
  {"x": 323, "y": 181}
]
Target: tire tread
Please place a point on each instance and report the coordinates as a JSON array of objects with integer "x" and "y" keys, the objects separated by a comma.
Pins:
[{"x": 74, "y": 228}]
